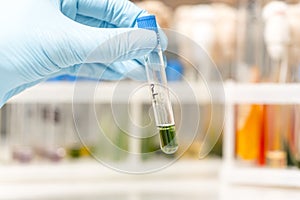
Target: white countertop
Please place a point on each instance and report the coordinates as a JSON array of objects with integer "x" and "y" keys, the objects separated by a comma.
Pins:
[{"x": 183, "y": 180}]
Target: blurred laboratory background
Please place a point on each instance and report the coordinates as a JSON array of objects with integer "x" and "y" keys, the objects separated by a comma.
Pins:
[{"x": 239, "y": 141}]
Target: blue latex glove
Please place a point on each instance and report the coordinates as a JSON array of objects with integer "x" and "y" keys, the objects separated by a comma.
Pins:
[{"x": 40, "y": 39}]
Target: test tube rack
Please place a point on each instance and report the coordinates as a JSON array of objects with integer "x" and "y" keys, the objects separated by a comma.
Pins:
[{"x": 256, "y": 93}]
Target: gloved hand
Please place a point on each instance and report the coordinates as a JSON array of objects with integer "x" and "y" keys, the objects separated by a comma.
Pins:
[{"x": 42, "y": 39}]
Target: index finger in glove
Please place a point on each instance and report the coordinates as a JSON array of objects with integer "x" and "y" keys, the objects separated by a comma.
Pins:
[{"x": 121, "y": 13}]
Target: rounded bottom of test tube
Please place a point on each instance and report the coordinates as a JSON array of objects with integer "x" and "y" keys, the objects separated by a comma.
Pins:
[
  {"x": 169, "y": 150},
  {"x": 168, "y": 142},
  {"x": 23, "y": 154}
]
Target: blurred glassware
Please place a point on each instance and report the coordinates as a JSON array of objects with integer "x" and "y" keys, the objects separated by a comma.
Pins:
[
  {"x": 248, "y": 131},
  {"x": 20, "y": 135},
  {"x": 212, "y": 27}
]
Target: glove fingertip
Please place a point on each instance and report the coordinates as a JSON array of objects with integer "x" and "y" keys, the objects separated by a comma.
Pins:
[{"x": 144, "y": 39}]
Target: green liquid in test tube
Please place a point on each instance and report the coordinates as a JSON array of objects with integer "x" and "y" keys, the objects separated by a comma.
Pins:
[{"x": 156, "y": 75}]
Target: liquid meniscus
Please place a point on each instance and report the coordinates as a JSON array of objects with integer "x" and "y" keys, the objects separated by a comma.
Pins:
[{"x": 168, "y": 140}]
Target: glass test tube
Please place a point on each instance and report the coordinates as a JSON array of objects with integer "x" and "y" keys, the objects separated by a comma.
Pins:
[
  {"x": 275, "y": 126},
  {"x": 295, "y": 136},
  {"x": 156, "y": 75},
  {"x": 22, "y": 149},
  {"x": 52, "y": 133}
]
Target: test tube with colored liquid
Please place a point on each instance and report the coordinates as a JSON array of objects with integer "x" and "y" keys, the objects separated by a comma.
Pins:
[{"x": 156, "y": 75}]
